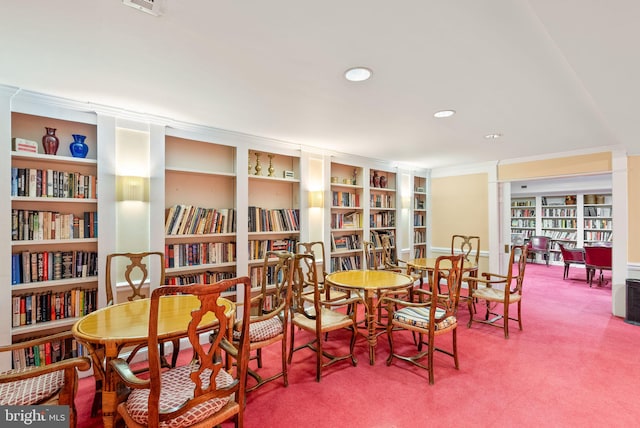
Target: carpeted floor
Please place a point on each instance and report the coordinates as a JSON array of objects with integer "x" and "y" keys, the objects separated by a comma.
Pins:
[{"x": 573, "y": 365}]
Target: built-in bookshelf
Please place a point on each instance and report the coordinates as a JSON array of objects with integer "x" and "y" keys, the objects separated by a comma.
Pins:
[
  {"x": 347, "y": 216},
  {"x": 273, "y": 205},
  {"x": 523, "y": 218},
  {"x": 382, "y": 206},
  {"x": 419, "y": 219},
  {"x": 54, "y": 226},
  {"x": 559, "y": 222},
  {"x": 598, "y": 218},
  {"x": 200, "y": 218}
]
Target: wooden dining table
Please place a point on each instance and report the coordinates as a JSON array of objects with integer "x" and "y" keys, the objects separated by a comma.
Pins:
[
  {"x": 107, "y": 331},
  {"x": 427, "y": 264},
  {"x": 367, "y": 284}
]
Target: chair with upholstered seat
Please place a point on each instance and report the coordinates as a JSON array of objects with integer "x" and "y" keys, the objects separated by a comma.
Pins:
[
  {"x": 570, "y": 256},
  {"x": 269, "y": 314},
  {"x": 597, "y": 257},
  {"x": 318, "y": 317},
  {"x": 434, "y": 314},
  {"x": 539, "y": 245},
  {"x": 316, "y": 249},
  {"x": 469, "y": 247},
  {"x": 51, "y": 384},
  {"x": 501, "y": 290},
  {"x": 203, "y": 393}
]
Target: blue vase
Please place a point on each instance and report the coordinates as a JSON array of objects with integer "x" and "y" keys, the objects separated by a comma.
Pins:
[{"x": 78, "y": 148}]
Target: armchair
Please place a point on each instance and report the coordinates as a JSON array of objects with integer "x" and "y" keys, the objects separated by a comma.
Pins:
[
  {"x": 571, "y": 256},
  {"x": 501, "y": 290},
  {"x": 597, "y": 257},
  {"x": 202, "y": 393},
  {"x": 539, "y": 245},
  {"x": 433, "y": 315},
  {"x": 54, "y": 383}
]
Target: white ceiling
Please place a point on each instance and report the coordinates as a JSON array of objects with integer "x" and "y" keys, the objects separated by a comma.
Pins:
[{"x": 550, "y": 75}]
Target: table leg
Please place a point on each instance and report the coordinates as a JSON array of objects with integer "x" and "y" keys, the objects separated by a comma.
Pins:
[{"x": 372, "y": 338}]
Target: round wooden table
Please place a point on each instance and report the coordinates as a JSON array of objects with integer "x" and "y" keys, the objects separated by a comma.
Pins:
[
  {"x": 106, "y": 331},
  {"x": 368, "y": 283}
]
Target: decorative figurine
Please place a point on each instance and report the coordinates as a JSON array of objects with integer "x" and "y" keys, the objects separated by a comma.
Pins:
[
  {"x": 249, "y": 163},
  {"x": 258, "y": 166},
  {"x": 354, "y": 181},
  {"x": 271, "y": 168}
]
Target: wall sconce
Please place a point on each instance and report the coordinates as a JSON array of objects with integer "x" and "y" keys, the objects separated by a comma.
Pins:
[
  {"x": 316, "y": 199},
  {"x": 131, "y": 188}
]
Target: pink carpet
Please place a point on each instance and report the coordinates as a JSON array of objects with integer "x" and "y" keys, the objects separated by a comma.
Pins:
[{"x": 574, "y": 364}]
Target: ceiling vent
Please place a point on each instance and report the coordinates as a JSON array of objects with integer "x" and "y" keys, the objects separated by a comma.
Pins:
[{"x": 153, "y": 7}]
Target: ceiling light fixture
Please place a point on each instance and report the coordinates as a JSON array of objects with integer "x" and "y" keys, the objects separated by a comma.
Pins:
[
  {"x": 492, "y": 136},
  {"x": 357, "y": 74},
  {"x": 444, "y": 113},
  {"x": 152, "y": 7}
]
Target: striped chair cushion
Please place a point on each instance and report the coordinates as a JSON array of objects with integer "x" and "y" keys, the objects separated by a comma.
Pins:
[
  {"x": 419, "y": 317},
  {"x": 30, "y": 391},
  {"x": 177, "y": 387},
  {"x": 262, "y": 330}
]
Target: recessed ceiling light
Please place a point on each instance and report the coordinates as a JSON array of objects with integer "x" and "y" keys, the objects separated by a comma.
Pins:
[
  {"x": 357, "y": 74},
  {"x": 492, "y": 136},
  {"x": 444, "y": 113}
]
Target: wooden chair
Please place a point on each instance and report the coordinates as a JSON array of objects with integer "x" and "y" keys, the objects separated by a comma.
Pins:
[
  {"x": 433, "y": 315},
  {"x": 269, "y": 313},
  {"x": 539, "y": 245},
  {"x": 318, "y": 317},
  {"x": 316, "y": 249},
  {"x": 469, "y": 247},
  {"x": 135, "y": 275},
  {"x": 507, "y": 292},
  {"x": 571, "y": 256},
  {"x": 51, "y": 384},
  {"x": 202, "y": 393},
  {"x": 597, "y": 257}
]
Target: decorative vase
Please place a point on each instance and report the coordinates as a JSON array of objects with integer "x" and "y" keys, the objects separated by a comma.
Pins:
[
  {"x": 376, "y": 179},
  {"x": 271, "y": 169},
  {"x": 383, "y": 181},
  {"x": 258, "y": 166},
  {"x": 78, "y": 148},
  {"x": 50, "y": 142}
]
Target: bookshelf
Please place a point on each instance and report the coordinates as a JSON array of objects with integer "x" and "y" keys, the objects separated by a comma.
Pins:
[
  {"x": 598, "y": 218},
  {"x": 200, "y": 212},
  {"x": 419, "y": 219},
  {"x": 347, "y": 216},
  {"x": 273, "y": 205},
  {"x": 54, "y": 228},
  {"x": 523, "y": 218},
  {"x": 559, "y": 222},
  {"x": 382, "y": 206}
]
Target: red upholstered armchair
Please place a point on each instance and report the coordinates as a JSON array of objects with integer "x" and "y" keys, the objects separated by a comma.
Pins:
[
  {"x": 539, "y": 245},
  {"x": 571, "y": 256},
  {"x": 597, "y": 257}
]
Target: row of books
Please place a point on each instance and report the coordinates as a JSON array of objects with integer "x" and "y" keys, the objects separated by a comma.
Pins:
[
  {"x": 527, "y": 203},
  {"x": 28, "y": 225},
  {"x": 419, "y": 236},
  {"x": 345, "y": 199},
  {"x": 256, "y": 273},
  {"x": 47, "y": 183},
  {"x": 382, "y": 219},
  {"x": 597, "y": 211},
  {"x": 346, "y": 263},
  {"x": 208, "y": 277},
  {"x": 345, "y": 242},
  {"x": 29, "y": 266},
  {"x": 200, "y": 253},
  {"x": 276, "y": 220},
  {"x": 34, "y": 308},
  {"x": 258, "y": 248},
  {"x": 558, "y": 212},
  {"x": 419, "y": 219},
  {"x": 419, "y": 252},
  {"x": 560, "y": 235},
  {"x": 47, "y": 353},
  {"x": 376, "y": 238},
  {"x": 381, "y": 201},
  {"x": 189, "y": 220},
  {"x": 599, "y": 223},
  {"x": 567, "y": 223},
  {"x": 597, "y": 236},
  {"x": 523, "y": 223},
  {"x": 523, "y": 213},
  {"x": 350, "y": 220}
]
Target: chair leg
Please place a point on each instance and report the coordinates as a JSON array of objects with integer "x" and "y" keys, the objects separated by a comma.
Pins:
[
  {"x": 430, "y": 358},
  {"x": 520, "y": 314},
  {"x": 285, "y": 374},
  {"x": 455, "y": 348},
  {"x": 506, "y": 321},
  {"x": 291, "y": 344},
  {"x": 470, "y": 306},
  {"x": 318, "y": 356}
]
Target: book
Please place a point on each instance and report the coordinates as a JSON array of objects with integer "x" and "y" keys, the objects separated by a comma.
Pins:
[{"x": 24, "y": 145}]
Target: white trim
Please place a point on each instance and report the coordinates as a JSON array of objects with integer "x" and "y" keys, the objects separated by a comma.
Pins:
[{"x": 556, "y": 155}]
